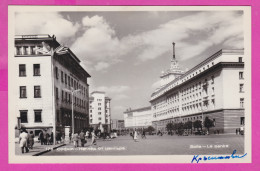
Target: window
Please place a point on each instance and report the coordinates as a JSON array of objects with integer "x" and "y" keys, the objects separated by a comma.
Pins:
[
  {"x": 23, "y": 115},
  {"x": 242, "y": 102},
  {"x": 61, "y": 74},
  {"x": 99, "y": 108},
  {"x": 212, "y": 79},
  {"x": 65, "y": 78},
  {"x": 57, "y": 73},
  {"x": 26, "y": 50},
  {"x": 90, "y": 111},
  {"x": 240, "y": 59},
  {"x": 66, "y": 97},
  {"x": 213, "y": 103},
  {"x": 241, "y": 88},
  {"x": 99, "y": 104},
  {"x": 37, "y": 91},
  {"x": 37, "y": 116},
  {"x": 57, "y": 93},
  {"x": 90, "y": 120},
  {"x": 33, "y": 50},
  {"x": 18, "y": 50},
  {"x": 241, "y": 75},
  {"x": 62, "y": 95},
  {"x": 36, "y": 69},
  {"x": 99, "y": 118},
  {"x": 69, "y": 99},
  {"x": 69, "y": 80},
  {"x": 242, "y": 120},
  {"x": 23, "y": 92},
  {"x": 22, "y": 70},
  {"x": 99, "y": 113}
]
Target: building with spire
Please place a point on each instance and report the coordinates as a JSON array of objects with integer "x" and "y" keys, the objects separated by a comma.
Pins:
[
  {"x": 172, "y": 73},
  {"x": 214, "y": 88}
]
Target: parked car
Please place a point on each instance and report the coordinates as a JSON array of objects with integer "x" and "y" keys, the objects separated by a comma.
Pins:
[{"x": 200, "y": 133}]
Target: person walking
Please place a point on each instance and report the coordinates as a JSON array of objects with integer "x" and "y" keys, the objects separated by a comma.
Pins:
[
  {"x": 76, "y": 139},
  {"x": 82, "y": 138},
  {"x": 51, "y": 138},
  {"x": 23, "y": 139},
  {"x": 44, "y": 136},
  {"x": 93, "y": 136},
  {"x": 143, "y": 134},
  {"x": 135, "y": 136},
  {"x": 41, "y": 137},
  {"x": 31, "y": 140}
]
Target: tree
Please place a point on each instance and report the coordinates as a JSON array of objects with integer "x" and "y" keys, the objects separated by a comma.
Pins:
[
  {"x": 208, "y": 123},
  {"x": 169, "y": 127},
  {"x": 150, "y": 129},
  {"x": 180, "y": 127},
  {"x": 188, "y": 125},
  {"x": 197, "y": 124}
]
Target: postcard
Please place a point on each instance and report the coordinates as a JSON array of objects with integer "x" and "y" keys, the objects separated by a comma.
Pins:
[{"x": 129, "y": 84}]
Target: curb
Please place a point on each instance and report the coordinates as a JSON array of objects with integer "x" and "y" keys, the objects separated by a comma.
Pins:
[{"x": 45, "y": 151}]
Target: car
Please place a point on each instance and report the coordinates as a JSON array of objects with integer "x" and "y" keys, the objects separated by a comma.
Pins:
[{"x": 200, "y": 133}]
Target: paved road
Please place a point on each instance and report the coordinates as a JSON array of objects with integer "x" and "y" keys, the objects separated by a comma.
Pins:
[{"x": 159, "y": 145}]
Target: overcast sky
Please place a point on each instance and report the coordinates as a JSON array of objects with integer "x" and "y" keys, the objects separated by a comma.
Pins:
[{"x": 125, "y": 52}]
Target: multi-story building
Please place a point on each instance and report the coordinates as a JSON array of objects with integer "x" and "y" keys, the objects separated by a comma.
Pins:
[
  {"x": 138, "y": 118},
  {"x": 41, "y": 78},
  {"x": 214, "y": 89},
  {"x": 100, "y": 111}
]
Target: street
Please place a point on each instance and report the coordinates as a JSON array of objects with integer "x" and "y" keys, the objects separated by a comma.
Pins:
[{"x": 158, "y": 145}]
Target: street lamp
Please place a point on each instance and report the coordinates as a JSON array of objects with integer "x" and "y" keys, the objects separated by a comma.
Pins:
[{"x": 72, "y": 91}]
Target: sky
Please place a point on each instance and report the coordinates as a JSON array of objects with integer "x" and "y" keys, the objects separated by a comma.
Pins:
[{"x": 125, "y": 52}]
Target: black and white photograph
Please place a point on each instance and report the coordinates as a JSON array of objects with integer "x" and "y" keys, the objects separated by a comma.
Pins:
[{"x": 129, "y": 84}]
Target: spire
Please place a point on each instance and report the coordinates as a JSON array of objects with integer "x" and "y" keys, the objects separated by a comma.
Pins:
[{"x": 173, "y": 47}]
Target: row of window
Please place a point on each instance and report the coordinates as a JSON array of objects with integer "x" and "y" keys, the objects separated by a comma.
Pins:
[
  {"x": 27, "y": 50},
  {"x": 37, "y": 92},
  {"x": 68, "y": 80},
  {"x": 66, "y": 97},
  {"x": 37, "y": 116},
  {"x": 22, "y": 70}
]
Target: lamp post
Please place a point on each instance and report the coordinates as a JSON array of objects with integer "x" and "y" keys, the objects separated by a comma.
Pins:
[{"x": 72, "y": 91}]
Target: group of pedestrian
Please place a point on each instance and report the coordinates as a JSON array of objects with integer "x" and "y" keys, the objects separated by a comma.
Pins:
[
  {"x": 81, "y": 137},
  {"x": 26, "y": 141},
  {"x": 46, "y": 138}
]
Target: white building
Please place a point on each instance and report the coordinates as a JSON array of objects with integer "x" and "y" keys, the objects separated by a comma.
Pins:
[
  {"x": 41, "y": 72},
  {"x": 214, "y": 88},
  {"x": 138, "y": 118},
  {"x": 100, "y": 111}
]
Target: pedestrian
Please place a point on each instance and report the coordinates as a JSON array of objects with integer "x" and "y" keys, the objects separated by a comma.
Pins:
[
  {"x": 93, "y": 136},
  {"x": 48, "y": 139},
  {"x": 70, "y": 136},
  {"x": 31, "y": 140},
  {"x": 58, "y": 137},
  {"x": 82, "y": 138},
  {"x": 87, "y": 134},
  {"x": 76, "y": 139},
  {"x": 143, "y": 134},
  {"x": 44, "y": 136},
  {"x": 23, "y": 141},
  {"x": 51, "y": 138},
  {"x": 41, "y": 137},
  {"x": 135, "y": 136}
]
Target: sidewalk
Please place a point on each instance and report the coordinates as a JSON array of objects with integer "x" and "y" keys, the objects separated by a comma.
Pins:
[{"x": 38, "y": 149}]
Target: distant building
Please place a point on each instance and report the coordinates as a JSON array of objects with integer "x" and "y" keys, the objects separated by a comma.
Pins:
[
  {"x": 117, "y": 124},
  {"x": 100, "y": 111},
  {"x": 138, "y": 118},
  {"x": 43, "y": 73},
  {"x": 214, "y": 89}
]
